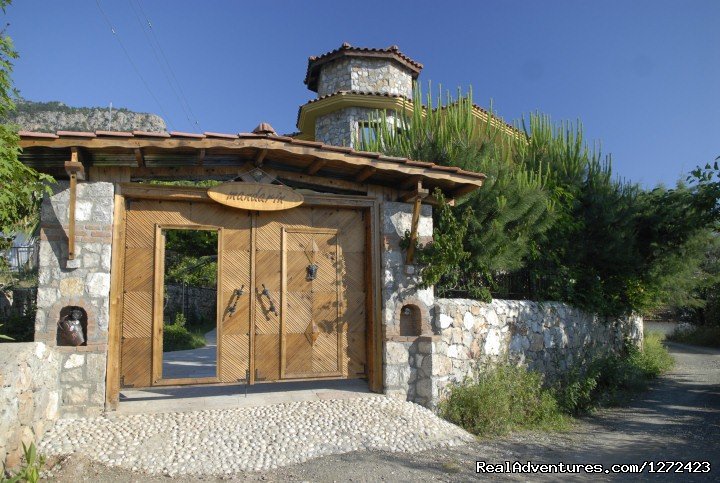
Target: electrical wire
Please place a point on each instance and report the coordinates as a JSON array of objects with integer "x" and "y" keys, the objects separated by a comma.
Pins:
[
  {"x": 132, "y": 63},
  {"x": 169, "y": 66},
  {"x": 182, "y": 100}
]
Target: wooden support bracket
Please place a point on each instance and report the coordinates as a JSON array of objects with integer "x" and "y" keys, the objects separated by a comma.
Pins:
[
  {"x": 139, "y": 158},
  {"x": 316, "y": 166},
  {"x": 75, "y": 171},
  {"x": 260, "y": 158},
  {"x": 416, "y": 195},
  {"x": 365, "y": 173}
]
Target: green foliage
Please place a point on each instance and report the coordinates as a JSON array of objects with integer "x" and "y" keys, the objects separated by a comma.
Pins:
[
  {"x": 180, "y": 319},
  {"x": 30, "y": 470},
  {"x": 612, "y": 379},
  {"x": 703, "y": 335},
  {"x": 191, "y": 257},
  {"x": 502, "y": 399},
  {"x": 613, "y": 247},
  {"x": 21, "y": 188},
  {"x": 5, "y": 337},
  {"x": 20, "y": 327},
  {"x": 176, "y": 337},
  {"x": 443, "y": 258},
  {"x": 506, "y": 398},
  {"x": 510, "y": 211}
]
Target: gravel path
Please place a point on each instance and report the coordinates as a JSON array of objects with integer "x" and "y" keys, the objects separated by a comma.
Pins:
[{"x": 225, "y": 442}]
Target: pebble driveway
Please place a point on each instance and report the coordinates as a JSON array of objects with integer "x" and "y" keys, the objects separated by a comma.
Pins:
[{"x": 223, "y": 442}]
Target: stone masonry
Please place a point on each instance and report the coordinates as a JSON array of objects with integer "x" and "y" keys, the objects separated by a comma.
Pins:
[
  {"x": 551, "y": 338},
  {"x": 406, "y": 356},
  {"x": 29, "y": 397},
  {"x": 82, "y": 377},
  {"x": 342, "y": 127},
  {"x": 374, "y": 76},
  {"x": 382, "y": 76}
]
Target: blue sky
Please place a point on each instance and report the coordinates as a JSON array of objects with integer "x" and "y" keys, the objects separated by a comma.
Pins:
[{"x": 643, "y": 76}]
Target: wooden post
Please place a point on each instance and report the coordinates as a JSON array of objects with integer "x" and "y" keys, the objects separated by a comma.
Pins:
[
  {"x": 75, "y": 171},
  {"x": 413, "y": 231}
]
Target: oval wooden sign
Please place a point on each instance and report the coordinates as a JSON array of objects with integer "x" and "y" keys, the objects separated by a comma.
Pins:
[{"x": 256, "y": 196}]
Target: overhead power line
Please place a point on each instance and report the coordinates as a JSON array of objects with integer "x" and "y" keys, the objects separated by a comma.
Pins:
[
  {"x": 167, "y": 63},
  {"x": 164, "y": 64},
  {"x": 132, "y": 63}
]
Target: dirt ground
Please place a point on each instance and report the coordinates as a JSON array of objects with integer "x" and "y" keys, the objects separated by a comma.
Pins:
[{"x": 677, "y": 420}]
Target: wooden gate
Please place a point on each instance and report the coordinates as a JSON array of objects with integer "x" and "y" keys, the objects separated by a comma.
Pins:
[{"x": 302, "y": 314}]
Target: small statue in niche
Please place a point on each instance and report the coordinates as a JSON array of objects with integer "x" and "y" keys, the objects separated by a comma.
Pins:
[{"x": 71, "y": 330}]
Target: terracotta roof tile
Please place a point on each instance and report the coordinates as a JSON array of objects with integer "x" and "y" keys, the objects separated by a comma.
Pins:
[
  {"x": 77, "y": 134},
  {"x": 149, "y": 134},
  {"x": 347, "y": 50},
  {"x": 117, "y": 134},
  {"x": 180, "y": 134},
  {"x": 220, "y": 135},
  {"x": 33, "y": 134}
]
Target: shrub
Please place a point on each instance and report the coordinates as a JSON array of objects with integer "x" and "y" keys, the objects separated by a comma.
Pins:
[
  {"x": 612, "y": 379},
  {"x": 178, "y": 338},
  {"x": 704, "y": 335},
  {"x": 507, "y": 398},
  {"x": 500, "y": 400},
  {"x": 20, "y": 328}
]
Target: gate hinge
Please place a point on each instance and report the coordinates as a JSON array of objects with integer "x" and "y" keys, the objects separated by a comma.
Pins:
[{"x": 122, "y": 382}]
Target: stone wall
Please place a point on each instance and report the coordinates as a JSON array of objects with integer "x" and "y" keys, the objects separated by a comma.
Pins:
[
  {"x": 340, "y": 128},
  {"x": 547, "y": 337},
  {"x": 197, "y": 303},
  {"x": 366, "y": 75},
  {"x": 406, "y": 356},
  {"x": 29, "y": 396},
  {"x": 83, "y": 282}
]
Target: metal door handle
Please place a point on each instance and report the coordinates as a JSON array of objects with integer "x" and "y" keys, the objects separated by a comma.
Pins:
[
  {"x": 237, "y": 293},
  {"x": 266, "y": 293}
]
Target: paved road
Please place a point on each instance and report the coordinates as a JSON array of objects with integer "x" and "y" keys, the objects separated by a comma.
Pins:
[{"x": 678, "y": 419}]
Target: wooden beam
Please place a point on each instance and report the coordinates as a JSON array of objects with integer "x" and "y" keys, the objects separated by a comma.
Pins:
[
  {"x": 410, "y": 182},
  {"x": 139, "y": 158},
  {"x": 413, "y": 231},
  {"x": 463, "y": 190},
  {"x": 260, "y": 158},
  {"x": 365, "y": 173},
  {"x": 419, "y": 193},
  {"x": 201, "y": 156},
  {"x": 316, "y": 166}
]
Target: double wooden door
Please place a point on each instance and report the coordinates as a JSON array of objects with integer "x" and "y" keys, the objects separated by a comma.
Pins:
[{"x": 291, "y": 292}]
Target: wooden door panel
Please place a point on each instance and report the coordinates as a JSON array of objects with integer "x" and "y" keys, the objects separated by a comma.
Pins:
[{"x": 309, "y": 327}]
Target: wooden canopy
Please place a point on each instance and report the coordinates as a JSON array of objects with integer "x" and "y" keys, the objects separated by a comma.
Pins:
[{"x": 146, "y": 155}]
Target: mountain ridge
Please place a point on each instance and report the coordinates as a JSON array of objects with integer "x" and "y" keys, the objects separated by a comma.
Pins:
[{"x": 56, "y": 116}]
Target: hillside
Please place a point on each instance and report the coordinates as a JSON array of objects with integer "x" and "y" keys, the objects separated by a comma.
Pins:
[{"x": 56, "y": 116}]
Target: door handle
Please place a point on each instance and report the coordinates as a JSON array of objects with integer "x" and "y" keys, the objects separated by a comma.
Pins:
[
  {"x": 266, "y": 293},
  {"x": 237, "y": 293}
]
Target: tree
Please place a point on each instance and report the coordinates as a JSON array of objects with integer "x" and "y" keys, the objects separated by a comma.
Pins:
[
  {"x": 21, "y": 187},
  {"x": 508, "y": 212}
]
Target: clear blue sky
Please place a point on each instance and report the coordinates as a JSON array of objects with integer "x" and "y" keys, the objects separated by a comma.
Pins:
[{"x": 643, "y": 76}]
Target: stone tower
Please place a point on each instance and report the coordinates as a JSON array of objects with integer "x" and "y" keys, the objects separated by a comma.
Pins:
[{"x": 351, "y": 83}]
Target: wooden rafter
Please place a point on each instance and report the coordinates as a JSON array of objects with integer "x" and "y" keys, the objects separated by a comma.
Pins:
[
  {"x": 139, "y": 158},
  {"x": 316, "y": 166},
  {"x": 365, "y": 173},
  {"x": 260, "y": 158}
]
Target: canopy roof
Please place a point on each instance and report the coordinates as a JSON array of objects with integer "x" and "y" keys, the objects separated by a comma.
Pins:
[{"x": 148, "y": 153}]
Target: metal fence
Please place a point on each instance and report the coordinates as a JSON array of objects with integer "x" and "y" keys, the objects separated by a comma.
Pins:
[{"x": 22, "y": 258}]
